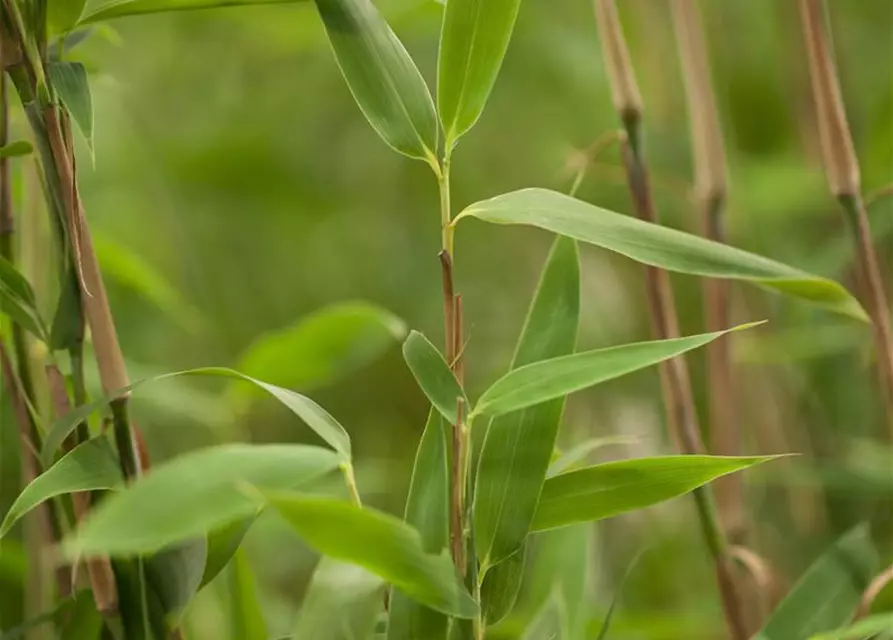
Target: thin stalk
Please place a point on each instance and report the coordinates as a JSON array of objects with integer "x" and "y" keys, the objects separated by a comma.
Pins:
[
  {"x": 844, "y": 181},
  {"x": 675, "y": 378},
  {"x": 711, "y": 192},
  {"x": 351, "y": 481}
]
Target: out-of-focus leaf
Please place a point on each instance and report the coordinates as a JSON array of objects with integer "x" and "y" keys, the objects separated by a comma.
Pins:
[
  {"x": 67, "y": 331},
  {"x": 606, "y": 490},
  {"x": 222, "y": 545},
  {"x": 659, "y": 246},
  {"x": 62, "y": 608},
  {"x": 827, "y": 594},
  {"x": 433, "y": 375},
  {"x": 63, "y": 15},
  {"x": 342, "y": 603},
  {"x": 615, "y": 598},
  {"x": 382, "y": 77},
  {"x": 427, "y": 509},
  {"x": 83, "y": 621},
  {"x": 861, "y": 630},
  {"x": 140, "y": 610},
  {"x": 573, "y": 457},
  {"x": 122, "y": 8},
  {"x": 557, "y": 377},
  {"x": 317, "y": 418},
  {"x": 69, "y": 79},
  {"x": 121, "y": 263},
  {"x": 17, "y": 300},
  {"x": 381, "y": 544},
  {"x": 246, "y": 618},
  {"x": 90, "y": 466},
  {"x": 501, "y": 586},
  {"x": 194, "y": 493},
  {"x": 175, "y": 573},
  {"x": 322, "y": 347},
  {"x": 474, "y": 40},
  {"x": 16, "y": 149},
  {"x": 517, "y": 446}
]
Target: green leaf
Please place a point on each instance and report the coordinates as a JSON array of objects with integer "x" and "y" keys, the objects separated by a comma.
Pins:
[
  {"x": 473, "y": 42},
  {"x": 827, "y": 594},
  {"x": 246, "y": 618},
  {"x": 317, "y": 418},
  {"x": 16, "y": 149},
  {"x": 615, "y": 598},
  {"x": 381, "y": 544},
  {"x": 141, "y": 612},
  {"x": 517, "y": 446},
  {"x": 69, "y": 79},
  {"x": 433, "y": 375},
  {"x": 322, "y": 347},
  {"x": 193, "y": 494},
  {"x": 222, "y": 546},
  {"x": 90, "y": 466},
  {"x": 501, "y": 586},
  {"x": 382, "y": 77},
  {"x": 67, "y": 330},
  {"x": 63, "y": 15},
  {"x": 606, "y": 490},
  {"x": 549, "y": 379},
  {"x": 863, "y": 629},
  {"x": 342, "y": 603},
  {"x": 17, "y": 300},
  {"x": 122, "y": 8},
  {"x": 175, "y": 574},
  {"x": 427, "y": 509},
  {"x": 573, "y": 457},
  {"x": 659, "y": 246}
]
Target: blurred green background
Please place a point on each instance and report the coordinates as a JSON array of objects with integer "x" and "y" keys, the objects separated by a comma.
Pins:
[{"x": 237, "y": 188}]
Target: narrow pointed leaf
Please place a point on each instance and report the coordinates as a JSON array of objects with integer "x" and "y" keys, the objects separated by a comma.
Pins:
[
  {"x": 518, "y": 446},
  {"x": 501, "y": 586},
  {"x": 555, "y": 378},
  {"x": 174, "y": 574},
  {"x": 122, "y": 8},
  {"x": 615, "y": 598},
  {"x": 427, "y": 509},
  {"x": 246, "y": 618},
  {"x": 17, "y": 300},
  {"x": 433, "y": 375},
  {"x": 222, "y": 546},
  {"x": 317, "y": 418},
  {"x": 69, "y": 79},
  {"x": 862, "y": 630},
  {"x": 382, "y": 77},
  {"x": 63, "y": 15},
  {"x": 193, "y": 494},
  {"x": 90, "y": 466},
  {"x": 574, "y": 456},
  {"x": 16, "y": 149},
  {"x": 659, "y": 246},
  {"x": 826, "y": 596},
  {"x": 474, "y": 40},
  {"x": 342, "y": 603},
  {"x": 606, "y": 490},
  {"x": 379, "y": 543}
]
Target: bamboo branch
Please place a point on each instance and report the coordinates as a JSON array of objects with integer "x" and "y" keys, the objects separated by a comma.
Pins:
[{"x": 679, "y": 401}]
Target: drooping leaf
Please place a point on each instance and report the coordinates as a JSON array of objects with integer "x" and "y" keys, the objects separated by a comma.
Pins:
[
  {"x": 90, "y": 466},
  {"x": 433, "y": 375},
  {"x": 322, "y": 347},
  {"x": 246, "y": 618},
  {"x": 382, "y": 77},
  {"x": 517, "y": 446},
  {"x": 194, "y": 493},
  {"x": 69, "y": 79},
  {"x": 16, "y": 149},
  {"x": 317, "y": 418},
  {"x": 17, "y": 300},
  {"x": 827, "y": 594},
  {"x": 342, "y": 603},
  {"x": 379, "y": 543},
  {"x": 606, "y": 490},
  {"x": 474, "y": 40},
  {"x": 501, "y": 586},
  {"x": 427, "y": 509},
  {"x": 175, "y": 573},
  {"x": 555, "y": 378},
  {"x": 122, "y": 8},
  {"x": 574, "y": 456},
  {"x": 222, "y": 545},
  {"x": 863, "y": 629},
  {"x": 63, "y": 15},
  {"x": 659, "y": 246}
]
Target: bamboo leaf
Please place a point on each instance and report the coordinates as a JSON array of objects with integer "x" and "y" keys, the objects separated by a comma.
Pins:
[
  {"x": 427, "y": 509},
  {"x": 473, "y": 43},
  {"x": 659, "y": 246},
  {"x": 321, "y": 347},
  {"x": 175, "y": 574},
  {"x": 69, "y": 79},
  {"x": 193, "y": 494},
  {"x": 517, "y": 446},
  {"x": 827, "y": 594},
  {"x": 17, "y": 300},
  {"x": 222, "y": 546},
  {"x": 555, "y": 378},
  {"x": 573, "y": 457},
  {"x": 861, "y": 630},
  {"x": 90, "y": 466},
  {"x": 317, "y": 418},
  {"x": 433, "y": 375},
  {"x": 382, "y": 77},
  {"x": 606, "y": 490},
  {"x": 247, "y": 620},
  {"x": 16, "y": 149},
  {"x": 381, "y": 544},
  {"x": 342, "y": 603},
  {"x": 63, "y": 15},
  {"x": 122, "y": 8},
  {"x": 501, "y": 586}
]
